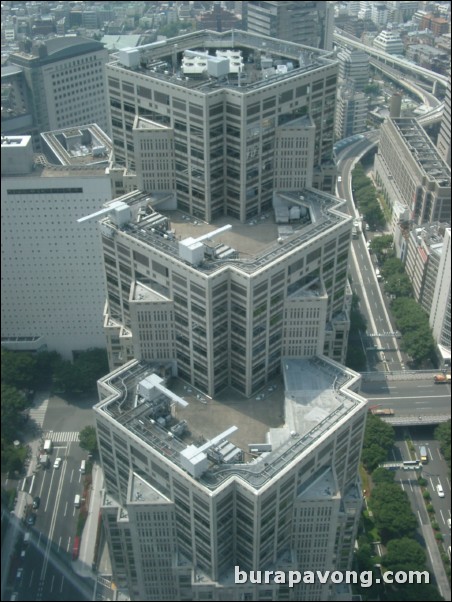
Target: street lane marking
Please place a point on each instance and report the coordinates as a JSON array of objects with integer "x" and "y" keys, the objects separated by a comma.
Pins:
[
  {"x": 441, "y": 512},
  {"x": 413, "y": 397}
]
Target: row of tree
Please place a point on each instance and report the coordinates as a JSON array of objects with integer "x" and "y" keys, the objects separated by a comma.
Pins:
[
  {"x": 365, "y": 197},
  {"x": 394, "y": 519},
  {"x": 411, "y": 319}
]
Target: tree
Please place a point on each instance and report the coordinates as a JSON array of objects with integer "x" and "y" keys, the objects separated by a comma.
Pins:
[
  {"x": 373, "y": 455},
  {"x": 392, "y": 511},
  {"x": 403, "y": 553},
  {"x": 18, "y": 369},
  {"x": 372, "y": 89},
  {"x": 399, "y": 285},
  {"x": 383, "y": 475},
  {"x": 88, "y": 439},
  {"x": 378, "y": 432},
  {"x": 13, "y": 402},
  {"x": 409, "y": 591},
  {"x": 392, "y": 266},
  {"x": 380, "y": 245},
  {"x": 443, "y": 434},
  {"x": 378, "y": 439}
]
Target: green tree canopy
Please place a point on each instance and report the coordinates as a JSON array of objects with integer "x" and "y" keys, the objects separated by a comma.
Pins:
[
  {"x": 18, "y": 369},
  {"x": 381, "y": 244},
  {"x": 88, "y": 439},
  {"x": 383, "y": 475},
  {"x": 403, "y": 553},
  {"x": 399, "y": 285},
  {"x": 13, "y": 403},
  {"x": 443, "y": 434},
  {"x": 392, "y": 266},
  {"x": 392, "y": 511},
  {"x": 409, "y": 592},
  {"x": 378, "y": 439}
]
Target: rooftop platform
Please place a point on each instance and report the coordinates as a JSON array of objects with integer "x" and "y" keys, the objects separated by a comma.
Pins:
[
  {"x": 256, "y": 243},
  {"x": 286, "y": 420}
]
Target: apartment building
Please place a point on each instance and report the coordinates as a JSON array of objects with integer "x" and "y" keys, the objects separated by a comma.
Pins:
[
  {"x": 52, "y": 274},
  {"x": 224, "y": 96},
  {"x": 410, "y": 170},
  {"x": 351, "y": 111},
  {"x": 189, "y": 496}
]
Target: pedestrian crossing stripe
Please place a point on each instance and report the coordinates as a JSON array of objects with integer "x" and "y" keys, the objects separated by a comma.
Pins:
[{"x": 62, "y": 436}]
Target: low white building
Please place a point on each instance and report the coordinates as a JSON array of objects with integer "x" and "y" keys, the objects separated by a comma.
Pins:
[{"x": 52, "y": 275}]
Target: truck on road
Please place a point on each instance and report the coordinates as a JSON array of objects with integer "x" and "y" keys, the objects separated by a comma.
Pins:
[
  {"x": 381, "y": 411},
  {"x": 48, "y": 446},
  {"x": 442, "y": 379}
]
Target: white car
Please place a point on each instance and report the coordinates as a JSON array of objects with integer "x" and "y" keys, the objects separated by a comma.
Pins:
[
  {"x": 439, "y": 490},
  {"x": 57, "y": 463}
]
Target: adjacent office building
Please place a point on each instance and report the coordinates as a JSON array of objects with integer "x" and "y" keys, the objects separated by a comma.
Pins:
[
  {"x": 186, "y": 501},
  {"x": 309, "y": 23},
  {"x": 65, "y": 81},
  {"x": 52, "y": 275},
  {"x": 443, "y": 143},
  {"x": 428, "y": 266},
  {"x": 411, "y": 171}
]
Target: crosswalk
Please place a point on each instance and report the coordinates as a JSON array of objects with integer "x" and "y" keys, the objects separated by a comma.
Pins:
[
  {"x": 61, "y": 436},
  {"x": 38, "y": 412}
]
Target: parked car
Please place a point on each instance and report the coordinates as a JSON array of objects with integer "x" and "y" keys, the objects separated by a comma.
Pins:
[{"x": 31, "y": 520}]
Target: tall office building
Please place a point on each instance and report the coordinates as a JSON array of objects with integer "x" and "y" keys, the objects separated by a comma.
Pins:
[
  {"x": 187, "y": 501},
  {"x": 389, "y": 42},
  {"x": 271, "y": 123},
  {"x": 224, "y": 96},
  {"x": 444, "y": 133},
  {"x": 226, "y": 270},
  {"x": 52, "y": 275},
  {"x": 65, "y": 78},
  {"x": 309, "y": 23},
  {"x": 411, "y": 171}
]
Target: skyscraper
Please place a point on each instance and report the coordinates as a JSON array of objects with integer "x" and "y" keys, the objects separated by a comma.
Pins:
[
  {"x": 226, "y": 271},
  {"x": 233, "y": 148},
  {"x": 187, "y": 501},
  {"x": 228, "y": 105}
]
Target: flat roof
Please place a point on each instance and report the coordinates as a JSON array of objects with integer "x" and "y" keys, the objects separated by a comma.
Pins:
[
  {"x": 79, "y": 146},
  {"x": 317, "y": 395},
  {"x": 163, "y": 60},
  {"x": 423, "y": 150},
  {"x": 256, "y": 242}
]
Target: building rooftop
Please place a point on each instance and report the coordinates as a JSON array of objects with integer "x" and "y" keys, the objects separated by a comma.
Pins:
[
  {"x": 208, "y": 60},
  {"x": 78, "y": 146},
  {"x": 298, "y": 217},
  {"x": 423, "y": 150},
  {"x": 318, "y": 394}
]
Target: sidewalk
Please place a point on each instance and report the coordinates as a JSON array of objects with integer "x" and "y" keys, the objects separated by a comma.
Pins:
[{"x": 83, "y": 565}]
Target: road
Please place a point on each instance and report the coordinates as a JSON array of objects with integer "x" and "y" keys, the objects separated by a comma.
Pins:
[
  {"x": 435, "y": 472},
  {"x": 409, "y": 397},
  {"x": 386, "y": 354},
  {"x": 46, "y": 565}
]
